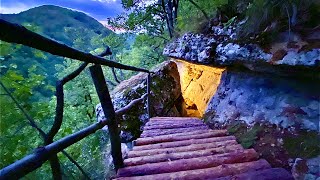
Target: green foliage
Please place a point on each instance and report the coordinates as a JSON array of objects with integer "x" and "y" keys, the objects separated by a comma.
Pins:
[
  {"x": 247, "y": 140},
  {"x": 29, "y": 75},
  {"x": 14, "y": 125},
  {"x": 191, "y": 19},
  {"x": 246, "y": 137},
  {"x": 304, "y": 145},
  {"x": 73, "y": 28}
]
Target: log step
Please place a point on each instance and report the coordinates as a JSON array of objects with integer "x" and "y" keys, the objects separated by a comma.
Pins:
[
  {"x": 183, "y": 136},
  {"x": 158, "y": 132},
  {"x": 185, "y": 148},
  {"x": 181, "y": 155},
  {"x": 183, "y": 143},
  {"x": 189, "y": 164},
  {"x": 172, "y": 126},
  {"x": 207, "y": 173},
  {"x": 173, "y": 122},
  {"x": 220, "y": 146},
  {"x": 173, "y": 118}
]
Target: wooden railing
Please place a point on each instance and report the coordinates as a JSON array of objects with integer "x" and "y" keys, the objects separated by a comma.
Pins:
[{"x": 14, "y": 33}]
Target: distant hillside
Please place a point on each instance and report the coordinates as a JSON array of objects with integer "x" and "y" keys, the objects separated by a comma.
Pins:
[
  {"x": 70, "y": 27},
  {"x": 59, "y": 23}
]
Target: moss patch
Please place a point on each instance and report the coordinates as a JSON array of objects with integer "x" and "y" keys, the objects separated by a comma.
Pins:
[
  {"x": 246, "y": 137},
  {"x": 304, "y": 145}
]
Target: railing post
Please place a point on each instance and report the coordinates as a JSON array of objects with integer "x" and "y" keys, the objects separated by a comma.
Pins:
[
  {"x": 149, "y": 96},
  {"x": 107, "y": 106}
]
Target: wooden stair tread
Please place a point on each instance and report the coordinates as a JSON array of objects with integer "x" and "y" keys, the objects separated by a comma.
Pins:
[
  {"x": 150, "y": 123},
  {"x": 185, "y": 148},
  {"x": 191, "y": 147},
  {"x": 183, "y": 143},
  {"x": 170, "y": 156},
  {"x": 173, "y": 118},
  {"x": 175, "y": 137},
  {"x": 189, "y": 164},
  {"x": 158, "y": 132},
  {"x": 172, "y": 126},
  {"x": 207, "y": 173}
]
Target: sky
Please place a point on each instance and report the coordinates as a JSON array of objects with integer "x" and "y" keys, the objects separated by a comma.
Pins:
[{"x": 98, "y": 9}]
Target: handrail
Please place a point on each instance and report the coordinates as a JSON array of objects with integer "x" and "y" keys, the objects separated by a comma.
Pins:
[{"x": 15, "y": 33}]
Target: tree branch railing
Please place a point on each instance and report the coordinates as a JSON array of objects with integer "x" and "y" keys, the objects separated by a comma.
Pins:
[{"x": 14, "y": 33}]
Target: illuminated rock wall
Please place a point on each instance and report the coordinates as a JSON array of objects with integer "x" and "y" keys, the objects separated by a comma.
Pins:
[{"x": 198, "y": 84}]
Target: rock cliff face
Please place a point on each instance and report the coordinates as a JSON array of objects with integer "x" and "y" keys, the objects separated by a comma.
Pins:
[
  {"x": 279, "y": 85},
  {"x": 253, "y": 98},
  {"x": 296, "y": 58}
]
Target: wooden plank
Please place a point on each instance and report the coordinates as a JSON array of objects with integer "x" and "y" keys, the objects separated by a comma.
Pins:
[
  {"x": 173, "y": 119},
  {"x": 207, "y": 173},
  {"x": 183, "y": 143},
  {"x": 170, "y": 138},
  {"x": 180, "y": 155},
  {"x": 156, "y": 118},
  {"x": 220, "y": 146},
  {"x": 190, "y": 133},
  {"x": 158, "y": 132},
  {"x": 265, "y": 174},
  {"x": 151, "y": 123},
  {"x": 171, "y": 125},
  {"x": 189, "y": 164}
]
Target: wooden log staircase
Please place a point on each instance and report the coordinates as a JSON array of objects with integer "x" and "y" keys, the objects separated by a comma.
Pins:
[{"x": 185, "y": 148}]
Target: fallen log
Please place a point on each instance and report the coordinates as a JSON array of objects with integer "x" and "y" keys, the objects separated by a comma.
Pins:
[
  {"x": 180, "y": 155},
  {"x": 170, "y": 138},
  {"x": 207, "y": 173},
  {"x": 183, "y": 143},
  {"x": 192, "y": 147},
  {"x": 265, "y": 174},
  {"x": 189, "y": 164},
  {"x": 158, "y": 132}
]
